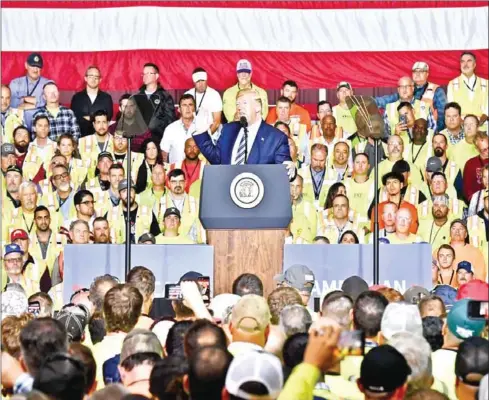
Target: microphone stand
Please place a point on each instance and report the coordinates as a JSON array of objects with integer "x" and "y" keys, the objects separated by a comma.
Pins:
[
  {"x": 128, "y": 211},
  {"x": 246, "y": 144},
  {"x": 376, "y": 213}
]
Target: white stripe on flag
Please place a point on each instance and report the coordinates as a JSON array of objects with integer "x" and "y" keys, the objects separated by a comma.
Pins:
[{"x": 278, "y": 30}]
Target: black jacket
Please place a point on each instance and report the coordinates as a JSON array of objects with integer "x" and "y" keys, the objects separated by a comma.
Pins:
[
  {"x": 82, "y": 105},
  {"x": 158, "y": 110}
]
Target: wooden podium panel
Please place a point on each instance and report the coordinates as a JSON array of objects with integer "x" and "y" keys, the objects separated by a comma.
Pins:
[{"x": 259, "y": 252}]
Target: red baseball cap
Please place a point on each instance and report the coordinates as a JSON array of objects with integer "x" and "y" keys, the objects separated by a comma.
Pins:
[
  {"x": 475, "y": 289},
  {"x": 18, "y": 234}
]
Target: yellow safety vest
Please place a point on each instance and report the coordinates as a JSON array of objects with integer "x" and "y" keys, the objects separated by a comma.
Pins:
[
  {"x": 428, "y": 97},
  {"x": 308, "y": 188},
  {"x": 472, "y": 101},
  {"x": 421, "y": 110},
  {"x": 144, "y": 217}
]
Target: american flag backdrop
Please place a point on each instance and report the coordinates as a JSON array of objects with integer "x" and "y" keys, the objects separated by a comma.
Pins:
[{"x": 318, "y": 44}]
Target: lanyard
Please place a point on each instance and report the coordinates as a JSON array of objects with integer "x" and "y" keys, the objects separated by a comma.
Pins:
[
  {"x": 437, "y": 232},
  {"x": 201, "y": 100},
  {"x": 473, "y": 86},
  {"x": 27, "y": 86},
  {"x": 417, "y": 154},
  {"x": 317, "y": 187},
  {"x": 449, "y": 282},
  {"x": 189, "y": 175},
  {"x": 25, "y": 223}
]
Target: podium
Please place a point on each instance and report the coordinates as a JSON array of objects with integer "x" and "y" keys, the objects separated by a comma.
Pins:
[{"x": 245, "y": 210}]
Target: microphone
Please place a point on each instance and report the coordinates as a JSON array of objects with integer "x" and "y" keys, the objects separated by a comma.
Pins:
[{"x": 243, "y": 122}]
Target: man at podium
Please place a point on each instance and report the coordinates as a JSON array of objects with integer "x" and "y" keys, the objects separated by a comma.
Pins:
[{"x": 247, "y": 141}]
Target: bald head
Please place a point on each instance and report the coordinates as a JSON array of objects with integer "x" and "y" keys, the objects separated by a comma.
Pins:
[{"x": 405, "y": 88}]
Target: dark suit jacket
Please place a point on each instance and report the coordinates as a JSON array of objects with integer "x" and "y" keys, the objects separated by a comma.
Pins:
[{"x": 271, "y": 146}]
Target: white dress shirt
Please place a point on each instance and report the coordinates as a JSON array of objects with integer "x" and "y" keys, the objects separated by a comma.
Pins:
[
  {"x": 470, "y": 82},
  {"x": 174, "y": 138},
  {"x": 252, "y": 132}
]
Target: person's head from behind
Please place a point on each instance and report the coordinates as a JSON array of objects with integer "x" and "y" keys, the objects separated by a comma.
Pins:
[
  {"x": 99, "y": 287},
  {"x": 166, "y": 380},
  {"x": 417, "y": 352},
  {"x": 250, "y": 320},
  {"x": 294, "y": 349},
  {"x": 248, "y": 284},
  {"x": 426, "y": 394},
  {"x": 122, "y": 308},
  {"x": 203, "y": 333},
  {"x": 433, "y": 332},
  {"x": 368, "y": 311},
  {"x": 143, "y": 280},
  {"x": 321, "y": 240},
  {"x": 392, "y": 295},
  {"x": 39, "y": 338},
  {"x": 84, "y": 354},
  {"x": 383, "y": 374},
  {"x": 45, "y": 303},
  {"x": 338, "y": 306},
  {"x": 459, "y": 326},
  {"x": 207, "y": 373},
  {"x": 140, "y": 351},
  {"x": 281, "y": 298},
  {"x": 174, "y": 345},
  {"x": 295, "y": 319},
  {"x": 401, "y": 317},
  {"x": 61, "y": 377},
  {"x": 301, "y": 278},
  {"x": 471, "y": 365}
]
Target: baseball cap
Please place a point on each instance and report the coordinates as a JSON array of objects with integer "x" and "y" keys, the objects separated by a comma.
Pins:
[
  {"x": 401, "y": 317},
  {"x": 12, "y": 248},
  {"x": 401, "y": 166},
  {"x": 298, "y": 276},
  {"x": 18, "y": 234},
  {"x": 472, "y": 361},
  {"x": 420, "y": 65},
  {"x": 255, "y": 366},
  {"x": 460, "y": 324},
  {"x": 475, "y": 289},
  {"x": 35, "y": 60},
  {"x": 354, "y": 286},
  {"x": 447, "y": 293},
  {"x": 110, "y": 370},
  {"x": 123, "y": 185},
  {"x": 467, "y": 266},
  {"x": 415, "y": 293},
  {"x": 434, "y": 165},
  {"x": 14, "y": 168},
  {"x": 103, "y": 154},
  {"x": 441, "y": 199},
  {"x": 147, "y": 237},
  {"x": 392, "y": 175},
  {"x": 13, "y": 303},
  {"x": 140, "y": 341},
  {"x": 172, "y": 211},
  {"x": 222, "y": 302},
  {"x": 243, "y": 65},
  {"x": 75, "y": 319},
  {"x": 343, "y": 84},
  {"x": 383, "y": 370},
  {"x": 190, "y": 276},
  {"x": 61, "y": 376},
  {"x": 251, "y": 313},
  {"x": 7, "y": 148}
]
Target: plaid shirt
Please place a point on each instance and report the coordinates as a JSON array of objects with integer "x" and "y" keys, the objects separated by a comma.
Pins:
[{"x": 64, "y": 122}]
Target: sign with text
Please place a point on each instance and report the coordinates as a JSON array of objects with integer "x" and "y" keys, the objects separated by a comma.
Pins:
[
  {"x": 400, "y": 266},
  {"x": 168, "y": 262}
]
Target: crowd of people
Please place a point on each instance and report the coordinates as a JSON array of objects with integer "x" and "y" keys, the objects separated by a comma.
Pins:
[{"x": 64, "y": 182}]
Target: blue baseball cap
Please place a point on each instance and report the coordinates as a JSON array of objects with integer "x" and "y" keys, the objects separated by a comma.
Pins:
[
  {"x": 447, "y": 293},
  {"x": 465, "y": 265},
  {"x": 13, "y": 248},
  {"x": 110, "y": 371}
]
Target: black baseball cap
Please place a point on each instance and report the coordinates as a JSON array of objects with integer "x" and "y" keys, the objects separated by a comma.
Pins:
[
  {"x": 392, "y": 175},
  {"x": 354, "y": 286},
  {"x": 384, "y": 370},
  {"x": 35, "y": 60},
  {"x": 172, "y": 211},
  {"x": 190, "y": 276},
  {"x": 14, "y": 168},
  {"x": 401, "y": 166},
  {"x": 472, "y": 361},
  {"x": 103, "y": 154}
]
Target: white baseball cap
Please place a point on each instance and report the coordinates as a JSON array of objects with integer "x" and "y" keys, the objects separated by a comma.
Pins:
[
  {"x": 243, "y": 66},
  {"x": 421, "y": 65},
  {"x": 401, "y": 317},
  {"x": 255, "y": 366}
]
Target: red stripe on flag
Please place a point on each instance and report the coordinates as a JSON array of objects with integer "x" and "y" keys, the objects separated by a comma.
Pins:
[
  {"x": 247, "y": 4},
  {"x": 121, "y": 70}
]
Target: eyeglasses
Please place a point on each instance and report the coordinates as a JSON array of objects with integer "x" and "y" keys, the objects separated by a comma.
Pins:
[
  {"x": 88, "y": 202},
  {"x": 93, "y": 76},
  {"x": 180, "y": 182},
  {"x": 148, "y": 73},
  {"x": 13, "y": 260},
  {"x": 62, "y": 176}
]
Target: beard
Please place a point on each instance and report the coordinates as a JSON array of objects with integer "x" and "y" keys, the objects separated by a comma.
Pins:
[
  {"x": 103, "y": 238},
  {"x": 438, "y": 152},
  {"x": 21, "y": 147}
]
